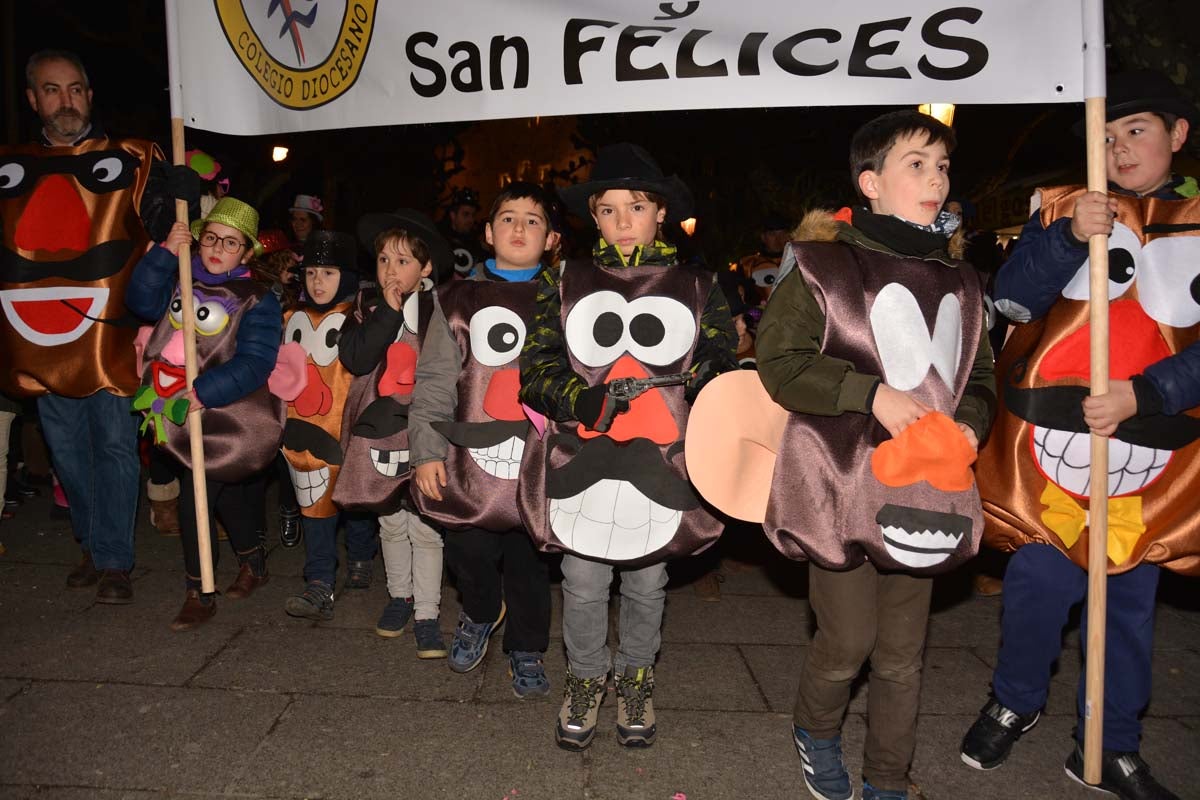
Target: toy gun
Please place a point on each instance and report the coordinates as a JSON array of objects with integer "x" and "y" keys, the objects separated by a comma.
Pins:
[{"x": 622, "y": 390}]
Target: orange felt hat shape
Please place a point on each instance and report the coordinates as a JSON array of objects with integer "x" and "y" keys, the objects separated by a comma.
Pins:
[
  {"x": 732, "y": 466},
  {"x": 932, "y": 449}
]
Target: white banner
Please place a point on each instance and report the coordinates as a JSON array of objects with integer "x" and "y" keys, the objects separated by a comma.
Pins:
[{"x": 272, "y": 66}]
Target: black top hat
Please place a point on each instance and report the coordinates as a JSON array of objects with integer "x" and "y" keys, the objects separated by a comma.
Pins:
[
  {"x": 627, "y": 166},
  {"x": 330, "y": 249},
  {"x": 776, "y": 221},
  {"x": 417, "y": 224},
  {"x": 1142, "y": 90},
  {"x": 465, "y": 196}
]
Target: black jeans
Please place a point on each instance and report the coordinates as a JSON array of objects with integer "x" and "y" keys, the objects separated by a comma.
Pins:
[
  {"x": 239, "y": 506},
  {"x": 475, "y": 556}
]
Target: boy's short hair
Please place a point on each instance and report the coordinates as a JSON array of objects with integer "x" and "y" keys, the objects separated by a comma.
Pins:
[
  {"x": 658, "y": 200},
  {"x": 522, "y": 190},
  {"x": 874, "y": 139},
  {"x": 416, "y": 245}
]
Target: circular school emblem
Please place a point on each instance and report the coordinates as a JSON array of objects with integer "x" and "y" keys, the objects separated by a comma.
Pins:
[{"x": 302, "y": 53}]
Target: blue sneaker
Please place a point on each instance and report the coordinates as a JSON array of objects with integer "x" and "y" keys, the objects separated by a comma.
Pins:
[
  {"x": 824, "y": 771},
  {"x": 871, "y": 793},
  {"x": 471, "y": 641},
  {"x": 528, "y": 674}
]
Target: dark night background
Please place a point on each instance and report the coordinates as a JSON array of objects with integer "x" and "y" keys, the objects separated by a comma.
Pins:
[{"x": 739, "y": 163}]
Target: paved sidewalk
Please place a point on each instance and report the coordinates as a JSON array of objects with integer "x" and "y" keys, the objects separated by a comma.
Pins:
[{"x": 106, "y": 702}]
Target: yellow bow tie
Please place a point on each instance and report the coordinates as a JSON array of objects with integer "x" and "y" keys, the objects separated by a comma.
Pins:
[{"x": 1067, "y": 519}]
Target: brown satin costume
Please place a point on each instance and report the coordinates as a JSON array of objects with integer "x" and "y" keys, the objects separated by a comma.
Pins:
[
  {"x": 1039, "y": 448},
  {"x": 242, "y": 438},
  {"x": 312, "y": 433},
  {"x": 375, "y": 473},
  {"x": 622, "y": 496},
  {"x": 487, "y": 438},
  {"x": 827, "y": 502},
  {"x": 71, "y": 237}
]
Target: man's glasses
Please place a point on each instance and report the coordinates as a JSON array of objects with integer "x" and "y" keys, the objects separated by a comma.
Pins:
[{"x": 230, "y": 244}]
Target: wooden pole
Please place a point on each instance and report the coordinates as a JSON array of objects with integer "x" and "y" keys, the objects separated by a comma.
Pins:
[
  {"x": 195, "y": 433},
  {"x": 1093, "y": 730}
]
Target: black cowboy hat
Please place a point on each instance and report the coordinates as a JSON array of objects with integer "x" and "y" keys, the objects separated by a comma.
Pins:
[
  {"x": 419, "y": 225},
  {"x": 331, "y": 249},
  {"x": 627, "y": 166},
  {"x": 1143, "y": 90}
]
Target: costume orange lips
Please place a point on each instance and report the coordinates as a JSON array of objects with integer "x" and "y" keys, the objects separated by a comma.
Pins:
[{"x": 167, "y": 379}]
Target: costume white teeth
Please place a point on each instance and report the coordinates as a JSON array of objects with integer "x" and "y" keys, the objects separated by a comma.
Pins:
[
  {"x": 500, "y": 460},
  {"x": 388, "y": 462},
  {"x": 612, "y": 519},
  {"x": 919, "y": 549},
  {"x": 310, "y": 486},
  {"x": 1066, "y": 457}
]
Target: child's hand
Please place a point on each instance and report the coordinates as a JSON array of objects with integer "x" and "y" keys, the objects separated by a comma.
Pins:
[
  {"x": 969, "y": 432},
  {"x": 194, "y": 401},
  {"x": 393, "y": 296},
  {"x": 896, "y": 410},
  {"x": 1103, "y": 413},
  {"x": 1094, "y": 213},
  {"x": 178, "y": 237},
  {"x": 430, "y": 477}
]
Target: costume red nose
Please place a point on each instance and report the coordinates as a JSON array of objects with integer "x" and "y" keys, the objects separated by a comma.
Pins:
[
  {"x": 648, "y": 416},
  {"x": 400, "y": 376},
  {"x": 317, "y": 399},
  {"x": 1135, "y": 342},
  {"x": 54, "y": 219},
  {"x": 500, "y": 401}
]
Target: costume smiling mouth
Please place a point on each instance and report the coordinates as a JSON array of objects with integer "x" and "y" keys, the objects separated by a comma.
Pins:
[
  {"x": 918, "y": 538},
  {"x": 1065, "y": 458}
]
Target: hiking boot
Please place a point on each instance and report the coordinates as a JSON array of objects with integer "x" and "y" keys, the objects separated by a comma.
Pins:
[
  {"x": 358, "y": 575},
  {"x": 990, "y": 740},
  {"x": 471, "y": 641},
  {"x": 1124, "y": 774},
  {"x": 635, "y": 708},
  {"x": 430, "y": 643},
  {"x": 315, "y": 602},
  {"x": 394, "y": 617},
  {"x": 576, "y": 724},
  {"x": 871, "y": 793},
  {"x": 290, "y": 528},
  {"x": 528, "y": 674},
  {"x": 164, "y": 507},
  {"x": 824, "y": 770}
]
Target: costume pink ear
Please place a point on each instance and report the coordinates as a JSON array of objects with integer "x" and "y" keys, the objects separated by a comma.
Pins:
[
  {"x": 139, "y": 345},
  {"x": 290, "y": 377}
]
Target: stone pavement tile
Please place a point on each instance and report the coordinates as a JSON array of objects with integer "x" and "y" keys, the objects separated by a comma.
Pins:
[
  {"x": 371, "y": 748},
  {"x": 10, "y": 689},
  {"x": 281, "y": 657},
  {"x": 970, "y": 622},
  {"x": 1176, "y": 629},
  {"x": 1175, "y": 691},
  {"x": 1170, "y": 747},
  {"x": 690, "y": 619},
  {"x": 776, "y": 669},
  {"x": 705, "y": 677},
  {"x": 953, "y": 681},
  {"x": 703, "y": 754},
  {"x": 108, "y": 643},
  {"x": 91, "y": 793},
  {"x": 29, "y": 590},
  {"x": 132, "y": 737}
]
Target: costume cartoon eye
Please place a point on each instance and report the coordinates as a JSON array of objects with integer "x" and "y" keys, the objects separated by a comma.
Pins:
[
  {"x": 11, "y": 175},
  {"x": 211, "y": 318},
  {"x": 321, "y": 342},
  {"x": 1169, "y": 264},
  {"x": 175, "y": 312},
  {"x": 1124, "y": 256},
  {"x": 765, "y": 277},
  {"x": 464, "y": 262},
  {"x": 497, "y": 334},
  {"x": 425, "y": 285},
  {"x": 655, "y": 330},
  {"x": 410, "y": 316},
  {"x": 107, "y": 170},
  {"x": 905, "y": 345}
]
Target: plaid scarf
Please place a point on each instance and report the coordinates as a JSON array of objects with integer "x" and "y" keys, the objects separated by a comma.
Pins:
[{"x": 657, "y": 254}]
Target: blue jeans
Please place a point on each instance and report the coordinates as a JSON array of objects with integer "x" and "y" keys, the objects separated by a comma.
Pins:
[
  {"x": 585, "y": 587},
  {"x": 93, "y": 445},
  {"x": 320, "y": 544},
  {"x": 1040, "y": 587}
]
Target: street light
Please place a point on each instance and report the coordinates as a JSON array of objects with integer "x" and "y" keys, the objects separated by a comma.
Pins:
[
  {"x": 278, "y": 153},
  {"x": 688, "y": 225},
  {"x": 942, "y": 112}
]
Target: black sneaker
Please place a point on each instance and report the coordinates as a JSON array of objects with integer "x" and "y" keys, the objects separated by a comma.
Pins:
[
  {"x": 358, "y": 575},
  {"x": 315, "y": 602},
  {"x": 290, "y": 527},
  {"x": 394, "y": 617},
  {"x": 1124, "y": 774},
  {"x": 990, "y": 740}
]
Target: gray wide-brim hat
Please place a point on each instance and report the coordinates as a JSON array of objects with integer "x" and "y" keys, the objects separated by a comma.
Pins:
[
  {"x": 415, "y": 223},
  {"x": 628, "y": 166}
]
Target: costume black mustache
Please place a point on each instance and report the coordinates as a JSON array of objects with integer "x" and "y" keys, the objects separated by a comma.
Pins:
[
  {"x": 384, "y": 417},
  {"x": 639, "y": 462},
  {"x": 481, "y": 434},
  {"x": 302, "y": 436},
  {"x": 96, "y": 264},
  {"x": 1061, "y": 408}
]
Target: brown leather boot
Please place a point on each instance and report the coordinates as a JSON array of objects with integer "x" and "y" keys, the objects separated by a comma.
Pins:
[
  {"x": 164, "y": 507},
  {"x": 115, "y": 587},
  {"x": 987, "y": 586},
  {"x": 85, "y": 574},
  {"x": 195, "y": 611},
  {"x": 245, "y": 583}
]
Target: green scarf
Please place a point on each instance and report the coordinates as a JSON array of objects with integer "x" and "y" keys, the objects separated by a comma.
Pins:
[{"x": 650, "y": 255}]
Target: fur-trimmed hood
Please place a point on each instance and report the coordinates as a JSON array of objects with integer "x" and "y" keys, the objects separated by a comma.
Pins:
[{"x": 820, "y": 225}]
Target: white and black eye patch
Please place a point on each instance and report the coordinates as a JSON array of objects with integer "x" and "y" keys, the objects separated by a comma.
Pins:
[
  {"x": 1124, "y": 260},
  {"x": 655, "y": 330},
  {"x": 320, "y": 343},
  {"x": 1169, "y": 279},
  {"x": 903, "y": 341},
  {"x": 497, "y": 335}
]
